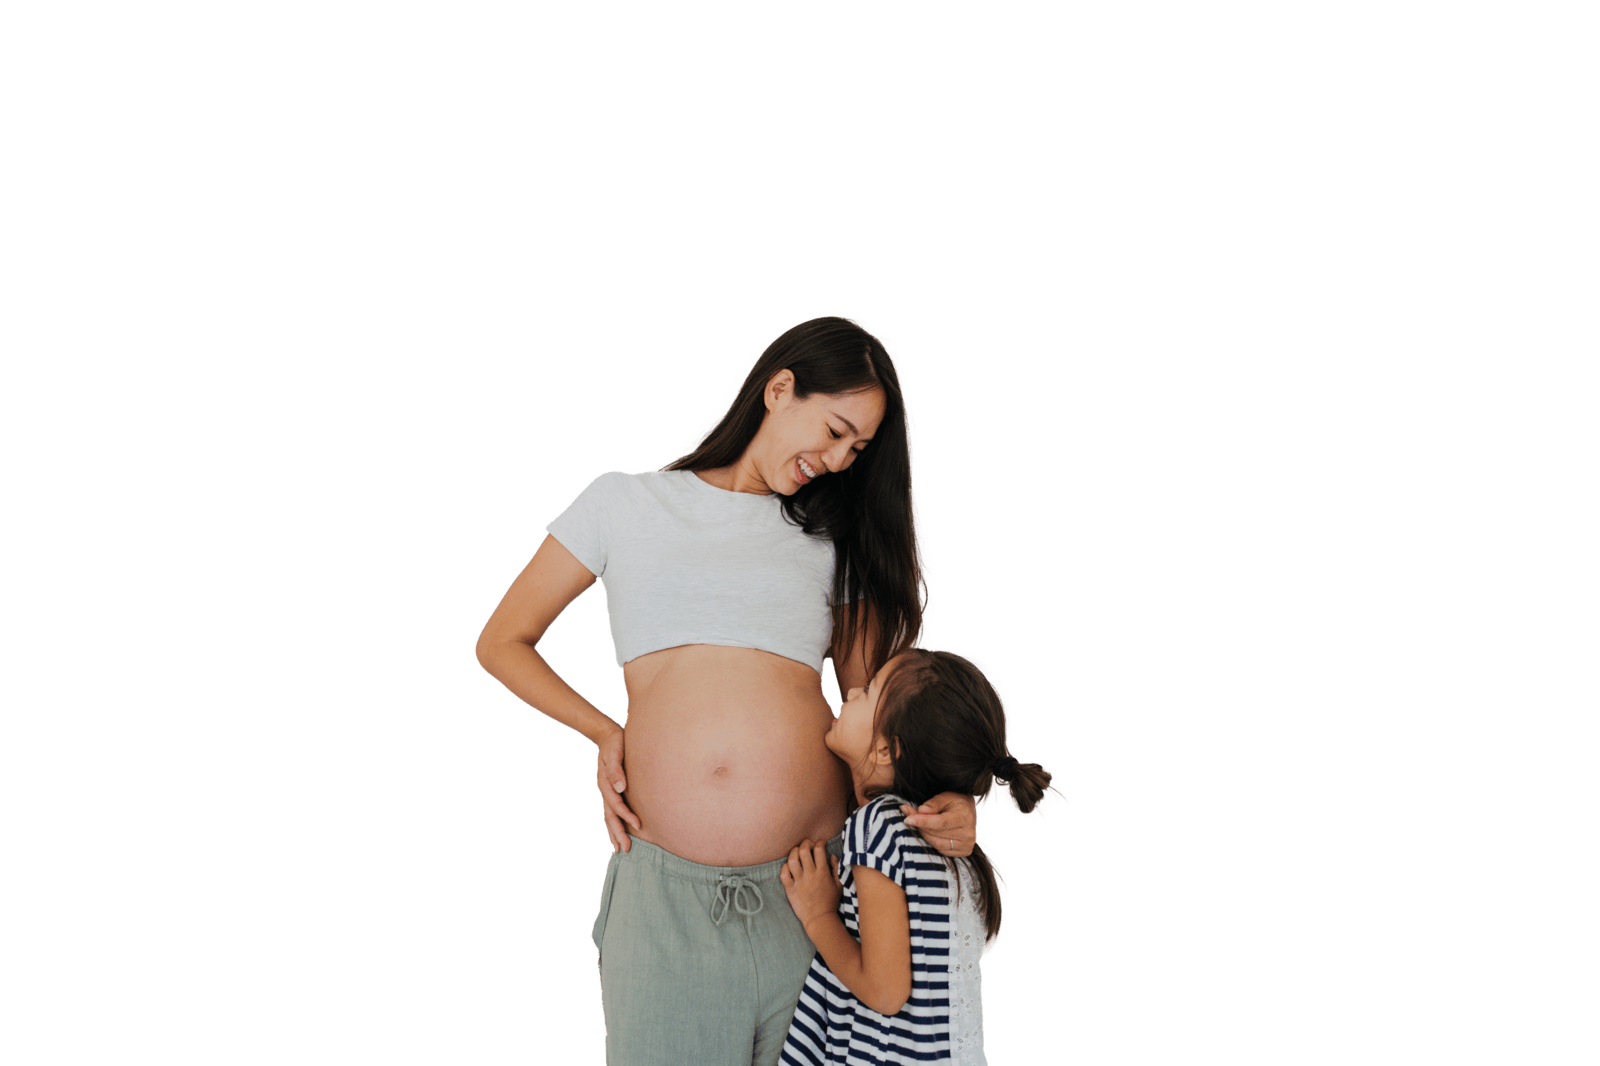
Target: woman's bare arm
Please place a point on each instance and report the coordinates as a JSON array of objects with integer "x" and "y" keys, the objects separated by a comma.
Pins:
[
  {"x": 507, "y": 649},
  {"x": 949, "y": 821}
]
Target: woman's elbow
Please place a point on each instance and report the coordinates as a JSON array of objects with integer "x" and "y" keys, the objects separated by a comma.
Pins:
[{"x": 489, "y": 652}]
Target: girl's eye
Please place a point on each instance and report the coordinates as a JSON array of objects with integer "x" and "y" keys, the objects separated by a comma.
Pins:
[{"x": 832, "y": 434}]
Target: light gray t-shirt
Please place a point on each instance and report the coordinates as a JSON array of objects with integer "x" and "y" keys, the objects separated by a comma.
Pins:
[{"x": 685, "y": 562}]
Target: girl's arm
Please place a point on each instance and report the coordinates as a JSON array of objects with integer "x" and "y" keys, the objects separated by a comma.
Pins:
[
  {"x": 553, "y": 579},
  {"x": 948, "y": 822},
  {"x": 877, "y": 971}
]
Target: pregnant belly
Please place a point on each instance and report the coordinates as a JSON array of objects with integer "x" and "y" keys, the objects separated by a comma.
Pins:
[{"x": 724, "y": 754}]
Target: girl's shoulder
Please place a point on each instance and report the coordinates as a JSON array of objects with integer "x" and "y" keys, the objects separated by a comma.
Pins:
[
  {"x": 878, "y": 810},
  {"x": 876, "y": 835}
]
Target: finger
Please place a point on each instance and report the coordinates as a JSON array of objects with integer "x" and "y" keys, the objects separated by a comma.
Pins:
[
  {"x": 617, "y": 805},
  {"x": 783, "y": 875},
  {"x": 626, "y": 813},
  {"x": 611, "y": 769},
  {"x": 611, "y": 773},
  {"x": 615, "y": 830}
]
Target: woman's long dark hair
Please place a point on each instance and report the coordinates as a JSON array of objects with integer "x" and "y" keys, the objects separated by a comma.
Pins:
[
  {"x": 947, "y": 732},
  {"x": 865, "y": 509}
]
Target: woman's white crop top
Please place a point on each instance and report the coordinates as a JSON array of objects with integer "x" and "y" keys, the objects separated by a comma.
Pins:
[{"x": 685, "y": 562}]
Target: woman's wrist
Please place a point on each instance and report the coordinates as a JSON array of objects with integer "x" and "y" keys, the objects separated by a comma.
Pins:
[{"x": 603, "y": 731}]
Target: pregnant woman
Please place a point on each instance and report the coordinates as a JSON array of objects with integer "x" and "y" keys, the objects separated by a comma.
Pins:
[{"x": 784, "y": 538}]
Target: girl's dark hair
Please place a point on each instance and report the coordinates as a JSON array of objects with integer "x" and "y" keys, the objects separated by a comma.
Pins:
[
  {"x": 866, "y": 508},
  {"x": 947, "y": 732}
]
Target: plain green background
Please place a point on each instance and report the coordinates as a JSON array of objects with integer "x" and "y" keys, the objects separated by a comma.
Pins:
[{"x": 1248, "y": 351}]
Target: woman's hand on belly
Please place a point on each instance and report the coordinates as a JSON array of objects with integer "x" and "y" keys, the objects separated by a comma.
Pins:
[{"x": 612, "y": 781}]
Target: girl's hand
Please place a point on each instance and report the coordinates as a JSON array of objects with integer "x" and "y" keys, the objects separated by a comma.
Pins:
[
  {"x": 611, "y": 781},
  {"x": 811, "y": 881},
  {"x": 948, "y": 823}
]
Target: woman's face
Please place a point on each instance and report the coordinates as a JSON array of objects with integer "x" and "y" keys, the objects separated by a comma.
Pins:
[{"x": 802, "y": 440}]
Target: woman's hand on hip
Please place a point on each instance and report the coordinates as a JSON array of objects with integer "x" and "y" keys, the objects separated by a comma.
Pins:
[
  {"x": 948, "y": 822},
  {"x": 611, "y": 780}
]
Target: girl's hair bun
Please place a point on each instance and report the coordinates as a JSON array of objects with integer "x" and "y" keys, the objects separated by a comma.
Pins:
[{"x": 1028, "y": 781}]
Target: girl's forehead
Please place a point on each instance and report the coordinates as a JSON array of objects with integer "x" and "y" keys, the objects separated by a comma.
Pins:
[{"x": 888, "y": 668}]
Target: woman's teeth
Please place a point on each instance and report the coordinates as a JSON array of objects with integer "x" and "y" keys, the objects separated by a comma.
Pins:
[{"x": 806, "y": 469}]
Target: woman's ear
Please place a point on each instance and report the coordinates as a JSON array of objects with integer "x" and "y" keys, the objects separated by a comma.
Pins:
[{"x": 779, "y": 385}]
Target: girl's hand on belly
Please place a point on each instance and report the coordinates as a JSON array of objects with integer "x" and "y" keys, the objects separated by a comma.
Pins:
[
  {"x": 611, "y": 781},
  {"x": 811, "y": 881}
]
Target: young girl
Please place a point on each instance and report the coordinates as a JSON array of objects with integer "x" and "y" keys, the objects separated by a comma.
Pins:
[{"x": 895, "y": 978}]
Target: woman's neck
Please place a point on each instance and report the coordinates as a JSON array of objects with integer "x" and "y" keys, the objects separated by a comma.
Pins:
[{"x": 742, "y": 476}]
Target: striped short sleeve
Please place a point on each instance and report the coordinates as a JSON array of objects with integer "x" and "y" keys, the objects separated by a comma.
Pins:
[
  {"x": 875, "y": 838},
  {"x": 830, "y": 1025}
]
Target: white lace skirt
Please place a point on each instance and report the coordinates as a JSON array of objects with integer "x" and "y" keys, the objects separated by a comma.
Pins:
[{"x": 966, "y": 983}]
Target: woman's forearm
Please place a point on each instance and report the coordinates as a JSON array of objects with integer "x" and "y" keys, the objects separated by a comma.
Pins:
[{"x": 519, "y": 667}]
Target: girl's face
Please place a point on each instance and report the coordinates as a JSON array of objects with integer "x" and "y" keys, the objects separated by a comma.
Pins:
[
  {"x": 851, "y": 737},
  {"x": 802, "y": 440}
]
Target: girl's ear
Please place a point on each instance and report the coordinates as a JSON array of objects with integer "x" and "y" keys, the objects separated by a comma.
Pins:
[{"x": 880, "y": 752}]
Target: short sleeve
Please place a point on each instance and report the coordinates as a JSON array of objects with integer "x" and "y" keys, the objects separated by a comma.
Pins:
[
  {"x": 585, "y": 527},
  {"x": 876, "y": 836}
]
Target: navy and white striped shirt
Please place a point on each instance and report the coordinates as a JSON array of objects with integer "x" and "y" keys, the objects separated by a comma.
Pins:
[{"x": 830, "y": 1025}]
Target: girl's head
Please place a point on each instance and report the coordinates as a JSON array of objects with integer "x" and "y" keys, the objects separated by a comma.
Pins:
[
  {"x": 930, "y": 722},
  {"x": 825, "y": 394}
]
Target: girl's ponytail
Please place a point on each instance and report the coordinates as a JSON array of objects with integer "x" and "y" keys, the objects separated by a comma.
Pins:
[{"x": 1027, "y": 781}]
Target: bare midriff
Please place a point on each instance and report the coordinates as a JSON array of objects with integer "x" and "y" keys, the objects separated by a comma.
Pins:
[{"x": 724, "y": 755}]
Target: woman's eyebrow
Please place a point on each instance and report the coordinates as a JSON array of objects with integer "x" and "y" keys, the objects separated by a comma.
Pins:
[{"x": 849, "y": 424}]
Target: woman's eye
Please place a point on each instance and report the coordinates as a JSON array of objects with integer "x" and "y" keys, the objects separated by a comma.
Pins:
[{"x": 832, "y": 434}]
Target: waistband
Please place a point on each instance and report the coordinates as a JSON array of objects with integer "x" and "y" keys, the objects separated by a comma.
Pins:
[{"x": 677, "y": 866}]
